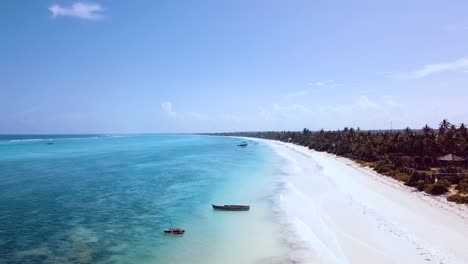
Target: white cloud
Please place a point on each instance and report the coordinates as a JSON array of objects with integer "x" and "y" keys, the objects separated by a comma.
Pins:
[
  {"x": 293, "y": 110},
  {"x": 389, "y": 102},
  {"x": 367, "y": 112},
  {"x": 364, "y": 112},
  {"x": 429, "y": 69},
  {"x": 296, "y": 94},
  {"x": 167, "y": 109},
  {"x": 323, "y": 83},
  {"x": 235, "y": 117},
  {"x": 366, "y": 105},
  {"x": 196, "y": 115},
  {"x": 83, "y": 10},
  {"x": 180, "y": 120},
  {"x": 363, "y": 102},
  {"x": 264, "y": 113},
  {"x": 317, "y": 86}
]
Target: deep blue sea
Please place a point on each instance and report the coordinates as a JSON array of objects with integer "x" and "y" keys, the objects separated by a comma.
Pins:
[{"x": 107, "y": 199}]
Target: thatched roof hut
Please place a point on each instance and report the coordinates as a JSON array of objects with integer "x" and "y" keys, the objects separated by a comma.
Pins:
[{"x": 451, "y": 158}]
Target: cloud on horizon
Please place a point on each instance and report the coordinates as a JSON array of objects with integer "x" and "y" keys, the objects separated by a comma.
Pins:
[
  {"x": 167, "y": 109},
  {"x": 295, "y": 94},
  {"x": 324, "y": 83},
  {"x": 429, "y": 69},
  {"x": 81, "y": 10}
]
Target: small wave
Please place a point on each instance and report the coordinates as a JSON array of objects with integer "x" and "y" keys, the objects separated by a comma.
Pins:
[
  {"x": 29, "y": 140},
  {"x": 114, "y": 136}
]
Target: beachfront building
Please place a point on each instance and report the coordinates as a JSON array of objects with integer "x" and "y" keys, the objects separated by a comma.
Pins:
[{"x": 451, "y": 159}]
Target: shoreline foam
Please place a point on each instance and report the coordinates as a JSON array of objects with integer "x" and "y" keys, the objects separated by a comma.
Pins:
[{"x": 341, "y": 212}]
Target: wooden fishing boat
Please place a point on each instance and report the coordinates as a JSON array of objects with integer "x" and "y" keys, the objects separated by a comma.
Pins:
[
  {"x": 231, "y": 207},
  {"x": 243, "y": 144},
  {"x": 175, "y": 231}
]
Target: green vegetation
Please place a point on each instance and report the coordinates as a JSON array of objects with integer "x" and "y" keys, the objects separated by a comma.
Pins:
[
  {"x": 458, "y": 198},
  {"x": 436, "y": 188},
  {"x": 406, "y": 155},
  {"x": 365, "y": 163},
  {"x": 417, "y": 177},
  {"x": 462, "y": 186}
]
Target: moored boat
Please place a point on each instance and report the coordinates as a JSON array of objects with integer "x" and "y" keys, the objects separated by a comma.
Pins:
[
  {"x": 231, "y": 207},
  {"x": 175, "y": 231},
  {"x": 243, "y": 144}
]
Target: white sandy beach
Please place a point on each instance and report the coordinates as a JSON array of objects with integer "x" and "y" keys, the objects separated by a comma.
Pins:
[{"x": 344, "y": 213}]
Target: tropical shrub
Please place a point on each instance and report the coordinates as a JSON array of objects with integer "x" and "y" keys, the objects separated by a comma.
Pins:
[
  {"x": 384, "y": 166},
  {"x": 459, "y": 199},
  {"x": 421, "y": 185},
  {"x": 414, "y": 179},
  {"x": 436, "y": 188},
  {"x": 445, "y": 182},
  {"x": 401, "y": 176},
  {"x": 453, "y": 179},
  {"x": 463, "y": 185}
]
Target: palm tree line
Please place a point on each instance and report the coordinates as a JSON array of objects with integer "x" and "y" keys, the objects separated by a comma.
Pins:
[{"x": 407, "y": 155}]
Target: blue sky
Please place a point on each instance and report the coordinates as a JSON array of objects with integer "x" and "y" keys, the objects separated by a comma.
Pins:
[{"x": 194, "y": 66}]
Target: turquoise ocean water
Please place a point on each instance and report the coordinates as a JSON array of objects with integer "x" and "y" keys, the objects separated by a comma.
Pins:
[{"x": 107, "y": 199}]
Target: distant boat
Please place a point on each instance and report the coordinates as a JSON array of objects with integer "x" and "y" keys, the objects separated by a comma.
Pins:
[
  {"x": 50, "y": 143},
  {"x": 231, "y": 207},
  {"x": 243, "y": 144},
  {"x": 175, "y": 231}
]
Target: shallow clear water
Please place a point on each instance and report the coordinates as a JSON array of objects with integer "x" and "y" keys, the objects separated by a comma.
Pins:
[{"x": 106, "y": 199}]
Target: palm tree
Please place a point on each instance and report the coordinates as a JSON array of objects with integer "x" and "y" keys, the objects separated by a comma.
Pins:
[
  {"x": 428, "y": 141},
  {"x": 461, "y": 136},
  {"x": 427, "y": 130},
  {"x": 444, "y": 125}
]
